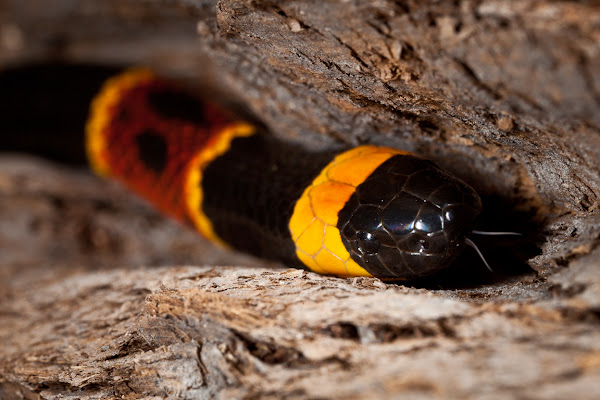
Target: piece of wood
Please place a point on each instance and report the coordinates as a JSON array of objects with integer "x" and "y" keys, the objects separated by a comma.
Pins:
[{"x": 97, "y": 300}]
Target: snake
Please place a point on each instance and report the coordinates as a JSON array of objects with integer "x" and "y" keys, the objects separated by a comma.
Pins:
[{"x": 364, "y": 211}]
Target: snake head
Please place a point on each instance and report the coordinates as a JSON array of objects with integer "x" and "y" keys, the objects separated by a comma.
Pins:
[{"x": 408, "y": 219}]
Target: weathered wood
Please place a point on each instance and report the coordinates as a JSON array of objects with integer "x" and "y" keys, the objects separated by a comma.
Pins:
[{"x": 505, "y": 94}]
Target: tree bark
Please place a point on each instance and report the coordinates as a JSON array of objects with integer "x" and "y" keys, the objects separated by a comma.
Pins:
[{"x": 97, "y": 296}]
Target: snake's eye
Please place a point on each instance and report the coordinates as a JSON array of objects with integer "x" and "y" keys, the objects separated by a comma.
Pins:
[{"x": 367, "y": 243}]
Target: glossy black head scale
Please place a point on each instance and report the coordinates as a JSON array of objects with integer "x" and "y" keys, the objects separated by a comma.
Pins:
[{"x": 408, "y": 219}]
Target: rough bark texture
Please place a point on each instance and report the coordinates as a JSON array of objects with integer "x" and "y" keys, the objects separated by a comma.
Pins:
[{"x": 506, "y": 94}]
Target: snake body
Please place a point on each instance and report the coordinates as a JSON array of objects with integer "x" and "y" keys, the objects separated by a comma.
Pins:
[{"x": 364, "y": 211}]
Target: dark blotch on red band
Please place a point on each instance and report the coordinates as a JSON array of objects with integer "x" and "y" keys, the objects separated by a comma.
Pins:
[
  {"x": 178, "y": 105},
  {"x": 152, "y": 149}
]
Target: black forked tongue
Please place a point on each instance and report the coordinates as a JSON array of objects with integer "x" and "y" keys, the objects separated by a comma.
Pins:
[
  {"x": 470, "y": 243},
  {"x": 496, "y": 233}
]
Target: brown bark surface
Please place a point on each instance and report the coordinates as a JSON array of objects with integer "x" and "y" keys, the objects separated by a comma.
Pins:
[{"x": 100, "y": 297}]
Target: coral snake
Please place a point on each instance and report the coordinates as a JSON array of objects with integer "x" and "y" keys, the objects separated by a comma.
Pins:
[{"x": 366, "y": 211}]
